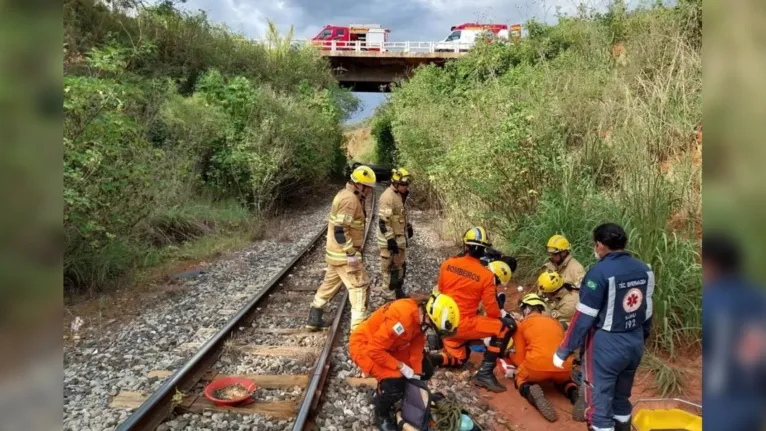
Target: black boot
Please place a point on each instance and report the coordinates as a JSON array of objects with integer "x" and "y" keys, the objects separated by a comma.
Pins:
[
  {"x": 535, "y": 395},
  {"x": 389, "y": 392},
  {"x": 485, "y": 377},
  {"x": 397, "y": 284},
  {"x": 622, "y": 426},
  {"x": 315, "y": 319},
  {"x": 385, "y": 420}
]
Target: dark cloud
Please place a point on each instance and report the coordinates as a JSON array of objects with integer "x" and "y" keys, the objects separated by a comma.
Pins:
[{"x": 416, "y": 20}]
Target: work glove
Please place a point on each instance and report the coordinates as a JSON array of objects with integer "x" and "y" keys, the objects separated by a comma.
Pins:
[
  {"x": 558, "y": 362},
  {"x": 407, "y": 371},
  {"x": 409, "y": 230},
  {"x": 393, "y": 247},
  {"x": 353, "y": 260}
]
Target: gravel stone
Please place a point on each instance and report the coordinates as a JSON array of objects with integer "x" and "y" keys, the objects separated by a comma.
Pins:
[
  {"x": 347, "y": 407},
  {"x": 168, "y": 332},
  {"x": 164, "y": 336}
]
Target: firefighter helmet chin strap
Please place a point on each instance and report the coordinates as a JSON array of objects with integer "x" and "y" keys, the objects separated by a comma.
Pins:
[{"x": 425, "y": 321}]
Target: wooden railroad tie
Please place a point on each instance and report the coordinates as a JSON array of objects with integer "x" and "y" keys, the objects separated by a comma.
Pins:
[
  {"x": 304, "y": 288},
  {"x": 276, "y": 351},
  {"x": 297, "y": 332},
  {"x": 198, "y": 403}
]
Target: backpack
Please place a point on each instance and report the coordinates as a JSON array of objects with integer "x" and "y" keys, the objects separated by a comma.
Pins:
[{"x": 415, "y": 414}]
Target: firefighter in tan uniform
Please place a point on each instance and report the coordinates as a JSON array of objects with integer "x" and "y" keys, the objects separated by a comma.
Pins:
[
  {"x": 393, "y": 232},
  {"x": 562, "y": 298},
  {"x": 345, "y": 238}
]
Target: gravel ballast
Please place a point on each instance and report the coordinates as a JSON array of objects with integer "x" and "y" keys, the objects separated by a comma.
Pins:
[
  {"x": 346, "y": 407},
  {"x": 167, "y": 333}
]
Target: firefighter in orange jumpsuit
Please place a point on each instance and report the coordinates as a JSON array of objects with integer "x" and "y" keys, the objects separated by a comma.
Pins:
[
  {"x": 390, "y": 347},
  {"x": 536, "y": 340},
  {"x": 469, "y": 283}
]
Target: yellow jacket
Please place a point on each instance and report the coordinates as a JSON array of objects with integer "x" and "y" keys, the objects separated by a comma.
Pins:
[
  {"x": 345, "y": 230},
  {"x": 393, "y": 217}
]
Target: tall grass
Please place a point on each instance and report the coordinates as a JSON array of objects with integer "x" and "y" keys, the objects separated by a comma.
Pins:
[
  {"x": 668, "y": 380},
  {"x": 195, "y": 229},
  {"x": 588, "y": 121}
]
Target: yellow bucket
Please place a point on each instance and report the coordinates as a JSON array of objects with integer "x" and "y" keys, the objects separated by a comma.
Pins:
[{"x": 672, "y": 419}]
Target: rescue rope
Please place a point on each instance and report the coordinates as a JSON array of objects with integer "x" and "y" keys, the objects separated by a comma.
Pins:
[{"x": 448, "y": 413}]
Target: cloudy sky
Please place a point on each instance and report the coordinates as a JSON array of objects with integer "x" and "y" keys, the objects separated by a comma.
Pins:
[{"x": 413, "y": 20}]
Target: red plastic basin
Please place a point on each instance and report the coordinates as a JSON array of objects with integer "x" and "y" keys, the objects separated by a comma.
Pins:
[{"x": 229, "y": 381}]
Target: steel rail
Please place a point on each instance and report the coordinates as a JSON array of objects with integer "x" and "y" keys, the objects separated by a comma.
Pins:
[
  {"x": 158, "y": 406},
  {"x": 314, "y": 389}
]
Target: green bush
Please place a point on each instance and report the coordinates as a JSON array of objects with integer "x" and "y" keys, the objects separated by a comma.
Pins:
[
  {"x": 381, "y": 131},
  {"x": 176, "y": 129},
  {"x": 586, "y": 121}
]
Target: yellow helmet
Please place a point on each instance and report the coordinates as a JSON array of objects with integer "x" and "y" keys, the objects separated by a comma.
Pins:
[
  {"x": 476, "y": 236},
  {"x": 549, "y": 281},
  {"x": 400, "y": 175},
  {"x": 532, "y": 299},
  {"x": 501, "y": 270},
  {"x": 557, "y": 243},
  {"x": 363, "y": 175},
  {"x": 444, "y": 313}
]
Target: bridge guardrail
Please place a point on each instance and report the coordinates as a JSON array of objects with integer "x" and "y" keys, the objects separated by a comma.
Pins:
[{"x": 405, "y": 47}]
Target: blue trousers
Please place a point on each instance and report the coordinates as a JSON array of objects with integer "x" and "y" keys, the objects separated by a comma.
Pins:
[{"x": 609, "y": 365}]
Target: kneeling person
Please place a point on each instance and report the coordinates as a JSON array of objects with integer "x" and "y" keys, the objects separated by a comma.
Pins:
[
  {"x": 390, "y": 347},
  {"x": 562, "y": 298},
  {"x": 536, "y": 340},
  {"x": 465, "y": 279}
]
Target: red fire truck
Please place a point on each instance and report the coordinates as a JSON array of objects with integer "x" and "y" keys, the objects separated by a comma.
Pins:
[{"x": 369, "y": 37}]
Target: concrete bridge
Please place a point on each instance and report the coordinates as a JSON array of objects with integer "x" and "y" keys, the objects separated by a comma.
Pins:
[{"x": 372, "y": 67}]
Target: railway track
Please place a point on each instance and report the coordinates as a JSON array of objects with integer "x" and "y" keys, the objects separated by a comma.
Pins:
[{"x": 264, "y": 341}]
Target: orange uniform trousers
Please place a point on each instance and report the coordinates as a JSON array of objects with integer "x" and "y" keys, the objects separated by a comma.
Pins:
[
  {"x": 536, "y": 340},
  {"x": 473, "y": 328},
  {"x": 525, "y": 374}
]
